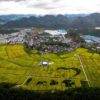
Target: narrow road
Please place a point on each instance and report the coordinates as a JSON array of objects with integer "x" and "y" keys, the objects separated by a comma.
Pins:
[{"x": 83, "y": 68}]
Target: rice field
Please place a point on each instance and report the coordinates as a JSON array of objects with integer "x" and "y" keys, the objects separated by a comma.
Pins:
[{"x": 65, "y": 70}]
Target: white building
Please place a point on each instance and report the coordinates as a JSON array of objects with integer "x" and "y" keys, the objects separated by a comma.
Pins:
[{"x": 56, "y": 32}]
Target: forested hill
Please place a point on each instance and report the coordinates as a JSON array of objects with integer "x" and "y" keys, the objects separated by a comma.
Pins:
[{"x": 59, "y": 21}]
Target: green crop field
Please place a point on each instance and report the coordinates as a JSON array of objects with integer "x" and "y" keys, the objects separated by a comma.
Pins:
[{"x": 79, "y": 68}]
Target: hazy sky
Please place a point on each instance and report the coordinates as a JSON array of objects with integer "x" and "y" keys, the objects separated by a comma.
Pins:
[{"x": 42, "y": 7}]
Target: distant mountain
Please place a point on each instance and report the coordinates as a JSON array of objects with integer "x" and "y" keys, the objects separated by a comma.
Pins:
[
  {"x": 2, "y": 21},
  {"x": 48, "y": 21},
  {"x": 13, "y": 17},
  {"x": 89, "y": 21},
  {"x": 59, "y": 21},
  {"x": 6, "y": 18},
  {"x": 75, "y": 15}
]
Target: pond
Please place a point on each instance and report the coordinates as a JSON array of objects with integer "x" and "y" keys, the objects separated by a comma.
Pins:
[{"x": 92, "y": 38}]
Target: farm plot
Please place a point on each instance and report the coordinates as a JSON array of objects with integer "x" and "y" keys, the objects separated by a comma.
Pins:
[
  {"x": 63, "y": 71},
  {"x": 91, "y": 62},
  {"x": 14, "y": 51}
]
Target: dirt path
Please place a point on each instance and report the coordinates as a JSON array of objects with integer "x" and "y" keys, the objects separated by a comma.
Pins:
[{"x": 80, "y": 59}]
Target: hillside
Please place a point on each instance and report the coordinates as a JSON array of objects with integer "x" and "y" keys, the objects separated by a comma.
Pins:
[
  {"x": 72, "y": 76},
  {"x": 59, "y": 21},
  {"x": 63, "y": 72}
]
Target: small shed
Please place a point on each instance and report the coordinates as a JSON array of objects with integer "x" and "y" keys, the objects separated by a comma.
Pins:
[{"x": 44, "y": 63}]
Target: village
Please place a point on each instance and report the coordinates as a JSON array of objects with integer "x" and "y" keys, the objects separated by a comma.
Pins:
[
  {"x": 47, "y": 41},
  {"x": 50, "y": 41},
  {"x": 14, "y": 38}
]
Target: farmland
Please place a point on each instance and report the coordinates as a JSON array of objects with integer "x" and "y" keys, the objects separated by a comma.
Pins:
[{"x": 66, "y": 70}]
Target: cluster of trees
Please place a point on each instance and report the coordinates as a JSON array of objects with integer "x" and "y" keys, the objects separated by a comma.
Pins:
[
  {"x": 70, "y": 94},
  {"x": 86, "y": 31},
  {"x": 75, "y": 35},
  {"x": 93, "y": 49}
]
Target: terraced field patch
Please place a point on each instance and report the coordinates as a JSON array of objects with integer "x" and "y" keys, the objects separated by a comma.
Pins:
[{"x": 63, "y": 72}]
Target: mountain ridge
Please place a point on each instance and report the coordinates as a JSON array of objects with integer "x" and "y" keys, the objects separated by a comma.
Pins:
[{"x": 55, "y": 22}]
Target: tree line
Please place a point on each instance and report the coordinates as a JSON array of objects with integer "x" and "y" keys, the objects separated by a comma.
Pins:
[{"x": 9, "y": 93}]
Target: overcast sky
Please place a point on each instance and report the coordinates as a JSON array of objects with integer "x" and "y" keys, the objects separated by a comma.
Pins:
[{"x": 42, "y": 7}]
